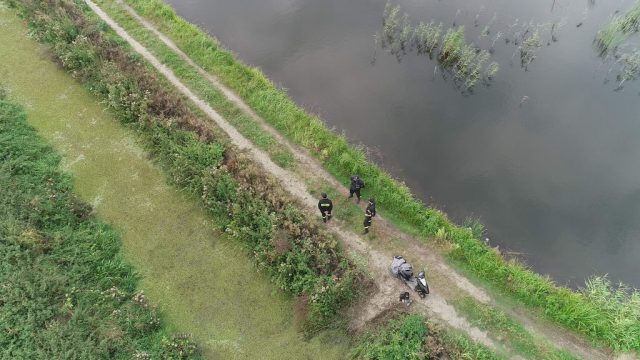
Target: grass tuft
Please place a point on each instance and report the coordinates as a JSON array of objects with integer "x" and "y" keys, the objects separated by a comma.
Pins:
[
  {"x": 66, "y": 290},
  {"x": 407, "y": 336}
]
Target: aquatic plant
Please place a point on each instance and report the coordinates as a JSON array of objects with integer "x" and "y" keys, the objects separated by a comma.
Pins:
[
  {"x": 452, "y": 46},
  {"x": 485, "y": 32},
  {"x": 630, "y": 67},
  {"x": 619, "y": 29},
  {"x": 390, "y": 23},
  {"x": 463, "y": 60},
  {"x": 528, "y": 48},
  {"x": 491, "y": 70},
  {"x": 493, "y": 42},
  {"x": 397, "y": 36},
  {"x": 406, "y": 33},
  {"x": 427, "y": 37},
  {"x": 610, "y": 41}
]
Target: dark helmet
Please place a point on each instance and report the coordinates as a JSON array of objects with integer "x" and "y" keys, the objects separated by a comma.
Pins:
[
  {"x": 324, "y": 195},
  {"x": 372, "y": 200}
]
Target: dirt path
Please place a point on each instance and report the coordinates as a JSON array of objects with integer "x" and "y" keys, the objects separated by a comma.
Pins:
[
  {"x": 309, "y": 163},
  {"x": 377, "y": 260}
]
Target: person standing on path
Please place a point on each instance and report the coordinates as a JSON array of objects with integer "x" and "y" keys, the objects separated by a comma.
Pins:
[
  {"x": 369, "y": 213},
  {"x": 325, "y": 205},
  {"x": 356, "y": 185}
]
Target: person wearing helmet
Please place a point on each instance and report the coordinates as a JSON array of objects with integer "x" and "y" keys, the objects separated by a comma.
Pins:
[
  {"x": 325, "y": 205},
  {"x": 369, "y": 213},
  {"x": 356, "y": 185}
]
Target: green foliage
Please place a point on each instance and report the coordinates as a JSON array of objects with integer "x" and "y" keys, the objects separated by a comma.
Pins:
[
  {"x": 427, "y": 37},
  {"x": 66, "y": 292},
  {"x": 390, "y": 22},
  {"x": 572, "y": 309},
  {"x": 619, "y": 29},
  {"x": 462, "y": 348},
  {"x": 491, "y": 70},
  {"x": 401, "y": 339},
  {"x": 249, "y": 205},
  {"x": 499, "y": 325},
  {"x": 462, "y": 59},
  {"x": 630, "y": 67},
  {"x": 528, "y": 49},
  {"x": 410, "y": 337}
]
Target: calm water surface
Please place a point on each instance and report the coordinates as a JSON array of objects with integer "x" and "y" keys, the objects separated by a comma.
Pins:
[{"x": 556, "y": 178}]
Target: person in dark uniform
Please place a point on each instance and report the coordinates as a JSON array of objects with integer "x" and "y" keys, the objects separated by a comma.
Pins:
[
  {"x": 325, "y": 205},
  {"x": 356, "y": 185},
  {"x": 369, "y": 213}
]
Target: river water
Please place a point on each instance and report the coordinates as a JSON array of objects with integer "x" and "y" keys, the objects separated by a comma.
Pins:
[{"x": 547, "y": 158}]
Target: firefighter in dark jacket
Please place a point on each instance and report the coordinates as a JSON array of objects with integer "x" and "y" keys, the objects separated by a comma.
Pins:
[
  {"x": 369, "y": 213},
  {"x": 325, "y": 205},
  {"x": 356, "y": 185}
]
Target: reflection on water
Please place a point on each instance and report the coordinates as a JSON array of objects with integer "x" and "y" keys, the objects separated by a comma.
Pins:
[{"x": 546, "y": 158}]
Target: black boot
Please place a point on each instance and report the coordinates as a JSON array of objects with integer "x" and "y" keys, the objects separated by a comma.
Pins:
[{"x": 366, "y": 231}]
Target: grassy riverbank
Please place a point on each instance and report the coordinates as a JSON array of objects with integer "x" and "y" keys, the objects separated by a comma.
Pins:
[
  {"x": 410, "y": 337},
  {"x": 599, "y": 311},
  {"x": 67, "y": 291},
  {"x": 298, "y": 255}
]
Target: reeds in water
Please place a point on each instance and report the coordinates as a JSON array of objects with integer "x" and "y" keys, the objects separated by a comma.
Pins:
[
  {"x": 630, "y": 67},
  {"x": 528, "y": 48},
  {"x": 427, "y": 37},
  {"x": 390, "y": 23},
  {"x": 406, "y": 34},
  {"x": 619, "y": 29},
  {"x": 465, "y": 62}
]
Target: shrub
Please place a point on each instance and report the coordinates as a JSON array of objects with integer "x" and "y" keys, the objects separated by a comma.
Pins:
[{"x": 402, "y": 338}]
